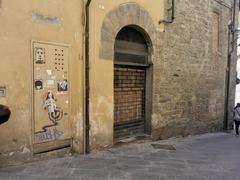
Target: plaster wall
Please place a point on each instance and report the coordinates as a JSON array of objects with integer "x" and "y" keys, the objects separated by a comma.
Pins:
[
  {"x": 188, "y": 74},
  {"x": 22, "y": 22},
  {"x": 101, "y": 61}
]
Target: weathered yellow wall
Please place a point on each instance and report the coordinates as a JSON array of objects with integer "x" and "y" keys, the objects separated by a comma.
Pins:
[
  {"x": 101, "y": 70},
  {"x": 17, "y": 31},
  {"x": 19, "y": 28}
]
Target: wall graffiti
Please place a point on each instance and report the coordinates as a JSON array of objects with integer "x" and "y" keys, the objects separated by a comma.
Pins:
[
  {"x": 39, "y": 56},
  {"x": 62, "y": 85},
  {"x": 38, "y": 84},
  {"x": 49, "y": 135},
  {"x": 55, "y": 114},
  {"x": 51, "y": 92}
]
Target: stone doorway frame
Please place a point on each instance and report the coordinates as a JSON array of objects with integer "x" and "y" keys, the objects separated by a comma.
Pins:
[{"x": 135, "y": 16}]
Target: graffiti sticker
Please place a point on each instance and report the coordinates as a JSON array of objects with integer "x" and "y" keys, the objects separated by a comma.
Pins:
[
  {"x": 62, "y": 85},
  {"x": 55, "y": 114},
  {"x": 50, "y": 82},
  {"x": 39, "y": 54},
  {"x": 38, "y": 84}
]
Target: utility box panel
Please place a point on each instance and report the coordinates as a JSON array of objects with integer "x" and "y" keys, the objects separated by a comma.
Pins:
[{"x": 51, "y": 93}]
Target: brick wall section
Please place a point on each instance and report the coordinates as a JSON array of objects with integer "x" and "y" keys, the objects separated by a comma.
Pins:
[
  {"x": 189, "y": 75},
  {"x": 129, "y": 94}
]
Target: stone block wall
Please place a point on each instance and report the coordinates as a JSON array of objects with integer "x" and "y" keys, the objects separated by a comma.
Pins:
[{"x": 189, "y": 74}]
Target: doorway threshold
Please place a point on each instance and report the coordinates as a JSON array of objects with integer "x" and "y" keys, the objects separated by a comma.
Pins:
[{"x": 141, "y": 137}]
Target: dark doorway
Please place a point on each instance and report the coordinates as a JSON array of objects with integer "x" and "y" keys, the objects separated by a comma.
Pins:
[{"x": 130, "y": 67}]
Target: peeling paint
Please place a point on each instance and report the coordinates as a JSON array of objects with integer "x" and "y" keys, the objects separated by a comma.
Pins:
[
  {"x": 78, "y": 124},
  {"x": 103, "y": 108},
  {"x": 11, "y": 153},
  {"x": 25, "y": 150},
  {"x": 101, "y": 131}
]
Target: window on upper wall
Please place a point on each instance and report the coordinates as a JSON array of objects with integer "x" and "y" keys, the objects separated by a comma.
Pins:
[{"x": 215, "y": 30}]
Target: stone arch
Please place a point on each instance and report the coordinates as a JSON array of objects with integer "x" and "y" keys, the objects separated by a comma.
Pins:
[{"x": 128, "y": 14}]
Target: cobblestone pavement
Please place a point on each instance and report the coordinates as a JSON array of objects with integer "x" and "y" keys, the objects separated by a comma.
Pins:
[{"x": 204, "y": 157}]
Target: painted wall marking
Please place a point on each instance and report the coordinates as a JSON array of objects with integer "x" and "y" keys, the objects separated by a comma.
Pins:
[
  {"x": 37, "y": 17},
  {"x": 49, "y": 135}
]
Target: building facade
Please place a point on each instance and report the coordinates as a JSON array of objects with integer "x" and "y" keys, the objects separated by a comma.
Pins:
[
  {"x": 237, "y": 94},
  {"x": 80, "y": 75}
]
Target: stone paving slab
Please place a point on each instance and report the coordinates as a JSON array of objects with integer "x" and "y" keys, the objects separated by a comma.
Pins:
[{"x": 204, "y": 157}]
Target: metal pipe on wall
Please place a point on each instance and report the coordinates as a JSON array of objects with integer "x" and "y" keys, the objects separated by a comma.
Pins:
[
  {"x": 231, "y": 43},
  {"x": 173, "y": 14},
  {"x": 86, "y": 79}
]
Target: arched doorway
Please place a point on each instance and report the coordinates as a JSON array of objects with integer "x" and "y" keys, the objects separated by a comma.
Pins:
[{"x": 130, "y": 74}]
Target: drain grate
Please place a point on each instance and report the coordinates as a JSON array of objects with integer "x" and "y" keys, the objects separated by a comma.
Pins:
[{"x": 163, "y": 146}]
